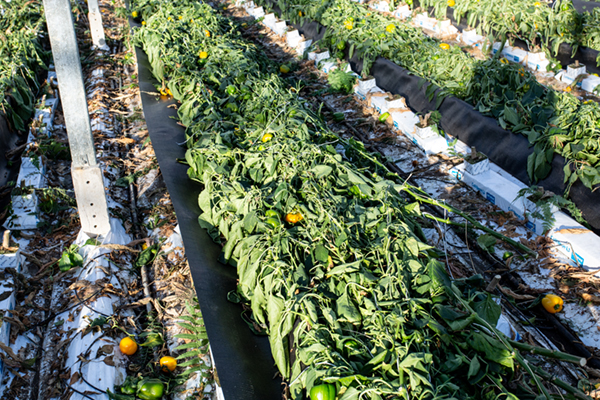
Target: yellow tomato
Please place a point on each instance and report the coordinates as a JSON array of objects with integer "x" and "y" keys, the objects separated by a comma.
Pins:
[
  {"x": 207, "y": 33},
  {"x": 300, "y": 13},
  {"x": 143, "y": 22},
  {"x": 128, "y": 346},
  {"x": 284, "y": 69},
  {"x": 293, "y": 218},
  {"x": 444, "y": 46},
  {"x": 266, "y": 137},
  {"x": 552, "y": 303},
  {"x": 134, "y": 14},
  {"x": 168, "y": 363}
]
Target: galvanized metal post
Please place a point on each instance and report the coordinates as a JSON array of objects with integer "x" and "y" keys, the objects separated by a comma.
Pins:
[
  {"x": 96, "y": 27},
  {"x": 87, "y": 176}
]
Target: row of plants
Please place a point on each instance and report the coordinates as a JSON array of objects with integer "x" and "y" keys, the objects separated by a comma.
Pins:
[
  {"x": 21, "y": 56},
  {"x": 539, "y": 25},
  {"x": 553, "y": 121},
  {"x": 330, "y": 255}
]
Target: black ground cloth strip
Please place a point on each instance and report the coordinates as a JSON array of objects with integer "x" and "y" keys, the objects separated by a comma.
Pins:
[
  {"x": 461, "y": 120},
  {"x": 9, "y": 170},
  {"x": 243, "y": 360}
]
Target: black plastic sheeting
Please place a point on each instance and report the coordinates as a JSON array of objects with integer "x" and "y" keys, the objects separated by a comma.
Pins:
[
  {"x": 9, "y": 139},
  {"x": 565, "y": 54},
  {"x": 461, "y": 120},
  {"x": 243, "y": 360},
  {"x": 9, "y": 169}
]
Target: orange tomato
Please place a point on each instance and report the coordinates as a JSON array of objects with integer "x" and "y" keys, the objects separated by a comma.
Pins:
[
  {"x": 168, "y": 363},
  {"x": 292, "y": 218},
  {"x": 128, "y": 346},
  {"x": 552, "y": 303}
]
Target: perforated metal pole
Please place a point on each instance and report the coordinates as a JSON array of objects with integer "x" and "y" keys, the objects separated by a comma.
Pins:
[
  {"x": 87, "y": 176},
  {"x": 96, "y": 27}
]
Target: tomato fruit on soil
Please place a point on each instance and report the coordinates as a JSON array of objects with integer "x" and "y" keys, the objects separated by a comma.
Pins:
[
  {"x": 552, "y": 303},
  {"x": 128, "y": 346},
  {"x": 168, "y": 363}
]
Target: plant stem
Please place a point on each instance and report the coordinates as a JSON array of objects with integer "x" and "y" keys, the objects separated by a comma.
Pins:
[
  {"x": 561, "y": 384},
  {"x": 549, "y": 353},
  {"x": 426, "y": 199}
]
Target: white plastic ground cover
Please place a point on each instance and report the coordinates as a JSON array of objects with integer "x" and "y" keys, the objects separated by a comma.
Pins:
[
  {"x": 24, "y": 206},
  {"x": 7, "y": 260},
  {"x": 97, "y": 371},
  {"x": 402, "y": 12}
]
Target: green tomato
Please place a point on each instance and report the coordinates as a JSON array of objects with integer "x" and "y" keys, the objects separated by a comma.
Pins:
[
  {"x": 231, "y": 90},
  {"x": 271, "y": 214},
  {"x": 324, "y": 391},
  {"x": 383, "y": 117},
  {"x": 341, "y": 45},
  {"x": 150, "y": 389},
  {"x": 273, "y": 222},
  {"x": 507, "y": 255}
]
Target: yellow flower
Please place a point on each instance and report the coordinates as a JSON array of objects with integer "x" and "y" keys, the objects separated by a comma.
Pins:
[
  {"x": 134, "y": 14},
  {"x": 444, "y": 46},
  {"x": 207, "y": 33},
  {"x": 191, "y": 21},
  {"x": 504, "y": 61},
  {"x": 300, "y": 13},
  {"x": 537, "y": 4},
  {"x": 568, "y": 89},
  {"x": 169, "y": 19},
  {"x": 390, "y": 28},
  {"x": 143, "y": 22},
  {"x": 180, "y": 17},
  {"x": 203, "y": 55},
  {"x": 451, "y": 3}
]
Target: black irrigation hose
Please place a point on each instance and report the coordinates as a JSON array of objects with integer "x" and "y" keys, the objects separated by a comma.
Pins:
[
  {"x": 53, "y": 315},
  {"x": 93, "y": 309},
  {"x": 574, "y": 341},
  {"x": 87, "y": 353},
  {"x": 77, "y": 391}
]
